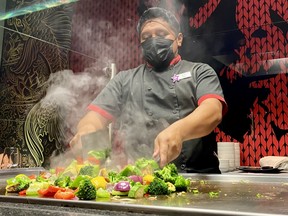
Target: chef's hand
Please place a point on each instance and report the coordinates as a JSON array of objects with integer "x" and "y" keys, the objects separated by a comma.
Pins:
[
  {"x": 91, "y": 122},
  {"x": 168, "y": 145},
  {"x": 76, "y": 144}
]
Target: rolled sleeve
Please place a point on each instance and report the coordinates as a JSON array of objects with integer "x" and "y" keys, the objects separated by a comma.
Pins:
[
  {"x": 220, "y": 98},
  {"x": 208, "y": 86},
  {"x": 109, "y": 101},
  {"x": 101, "y": 111}
]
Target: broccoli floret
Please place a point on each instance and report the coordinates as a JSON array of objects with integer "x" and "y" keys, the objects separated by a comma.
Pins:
[
  {"x": 173, "y": 169},
  {"x": 18, "y": 183},
  {"x": 90, "y": 170},
  {"x": 116, "y": 177},
  {"x": 130, "y": 170},
  {"x": 112, "y": 176},
  {"x": 158, "y": 187},
  {"x": 181, "y": 183},
  {"x": 168, "y": 173},
  {"x": 41, "y": 179},
  {"x": 143, "y": 162},
  {"x": 147, "y": 166},
  {"x": 75, "y": 183},
  {"x": 62, "y": 181},
  {"x": 171, "y": 187},
  {"x": 86, "y": 190}
]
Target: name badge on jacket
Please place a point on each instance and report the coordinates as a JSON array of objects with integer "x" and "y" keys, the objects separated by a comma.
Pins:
[{"x": 178, "y": 77}]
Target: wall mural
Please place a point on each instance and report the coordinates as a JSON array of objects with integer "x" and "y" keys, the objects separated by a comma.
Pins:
[
  {"x": 262, "y": 61},
  {"x": 35, "y": 45}
]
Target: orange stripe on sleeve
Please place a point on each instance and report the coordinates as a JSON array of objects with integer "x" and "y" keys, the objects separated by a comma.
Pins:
[
  {"x": 220, "y": 98},
  {"x": 102, "y": 112}
]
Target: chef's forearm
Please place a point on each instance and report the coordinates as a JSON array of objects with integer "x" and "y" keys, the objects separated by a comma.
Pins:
[
  {"x": 91, "y": 122},
  {"x": 201, "y": 121}
]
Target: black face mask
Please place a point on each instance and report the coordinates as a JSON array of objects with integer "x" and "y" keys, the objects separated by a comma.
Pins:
[{"x": 158, "y": 52}]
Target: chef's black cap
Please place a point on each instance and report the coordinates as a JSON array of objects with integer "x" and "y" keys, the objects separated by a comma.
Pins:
[{"x": 157, "y": 12}]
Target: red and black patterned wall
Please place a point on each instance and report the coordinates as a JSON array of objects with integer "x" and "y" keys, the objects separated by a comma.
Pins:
[
  {"x": 105, "y": 31},
  {"x": 245, "y": 41}
]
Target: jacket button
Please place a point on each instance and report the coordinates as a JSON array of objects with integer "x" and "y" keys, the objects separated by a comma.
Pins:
[{"x": 183, "y": 166}]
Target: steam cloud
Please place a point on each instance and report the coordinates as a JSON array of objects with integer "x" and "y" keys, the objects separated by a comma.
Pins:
[{"x": 73, "y": 92}]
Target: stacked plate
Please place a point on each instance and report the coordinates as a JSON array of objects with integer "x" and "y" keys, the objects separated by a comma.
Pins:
[
  {"x": 237, "y": 154},
  {"x": 226, "y": 151},
  {"x": 224, "y": 165}
]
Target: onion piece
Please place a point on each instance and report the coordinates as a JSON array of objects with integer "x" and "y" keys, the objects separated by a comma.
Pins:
[
  {"x": 136, "y": 178},
  {"x": 122, "y": 186}
]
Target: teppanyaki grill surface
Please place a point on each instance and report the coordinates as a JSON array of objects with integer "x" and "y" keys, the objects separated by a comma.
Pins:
[
  {"x": 212, "y": 195},
  {"x": 7, "y": 173}
]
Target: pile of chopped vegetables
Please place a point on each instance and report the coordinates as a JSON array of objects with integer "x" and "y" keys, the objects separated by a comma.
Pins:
[{"x": 88, "y": 182}]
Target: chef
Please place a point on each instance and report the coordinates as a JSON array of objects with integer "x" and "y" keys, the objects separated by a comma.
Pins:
[{"x": 169, "y": 104}]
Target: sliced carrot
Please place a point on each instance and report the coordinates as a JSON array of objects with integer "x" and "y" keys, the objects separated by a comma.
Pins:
[
  {"x": 50, "y": 191},
  {"x": 22, "y": 193},
  {"x": 64, "y": 195},
  {"x": 80, "y": 160},
  {"x": 93, "y": 160},
  {"x": 33, "y": 176},
  {"x": 59, "y": 170}
]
